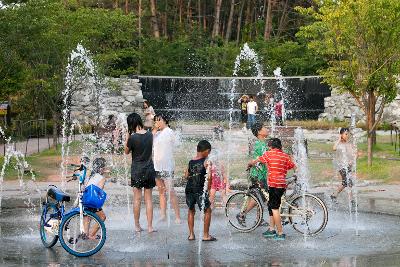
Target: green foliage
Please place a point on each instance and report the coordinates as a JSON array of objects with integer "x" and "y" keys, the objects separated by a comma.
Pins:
[{"x": 360, "y": 40}]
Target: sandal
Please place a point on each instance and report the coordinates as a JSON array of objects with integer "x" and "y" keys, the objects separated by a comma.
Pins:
[
  {"x": 191, "y": 239},
  {"x": 209, "y": 240}
]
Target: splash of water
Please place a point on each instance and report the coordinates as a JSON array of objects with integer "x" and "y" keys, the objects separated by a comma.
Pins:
[
  {"x": 282, "y": 87},
  {"x": 301, "y": 161},
  {"x": 21, "y": 166},
  {"x": 80, "y": 71},
  {"x": 205, "y": 190},
  {"x": 354, "y": 170}
]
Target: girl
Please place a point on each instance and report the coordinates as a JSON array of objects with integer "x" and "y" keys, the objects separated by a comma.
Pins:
[
  {"x": 148, "y": 115},
  {"x": 139, "y": 142},
  {"x": 164, "y": 164},
  {"x": 96, "y": 178},
  {"x": 219, "y": 182}
]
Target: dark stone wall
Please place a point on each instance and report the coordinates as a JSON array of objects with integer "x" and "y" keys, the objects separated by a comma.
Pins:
[{"x": 208, "y": 98}]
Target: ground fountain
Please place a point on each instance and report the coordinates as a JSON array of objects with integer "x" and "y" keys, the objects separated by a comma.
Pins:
[{"x": 302, "y": 168}]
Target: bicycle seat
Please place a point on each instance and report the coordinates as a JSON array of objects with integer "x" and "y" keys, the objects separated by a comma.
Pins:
[{"x": 58, "y": 194}]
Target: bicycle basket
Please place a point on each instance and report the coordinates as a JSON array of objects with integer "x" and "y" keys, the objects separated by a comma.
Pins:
[{"x": 94, "y": 197}]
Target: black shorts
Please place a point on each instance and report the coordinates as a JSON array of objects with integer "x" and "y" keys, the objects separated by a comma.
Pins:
[
  {"x": 193, "y": 198},
  {"x": 243, "y": 117},
  {"x": 275, "y": 197},
  {"x": 347, "y": 180}
]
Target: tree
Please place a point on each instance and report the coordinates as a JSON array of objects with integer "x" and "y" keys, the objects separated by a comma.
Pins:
[
  {"x": 154, "y": 21},
  {"x": 230, "y": 21},
  {"x": 360, "y": 40},
  {"x": 217, "y": 14}
]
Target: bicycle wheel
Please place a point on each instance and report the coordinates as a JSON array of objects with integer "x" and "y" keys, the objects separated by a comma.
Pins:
[
  {"x": 82, "y": 244},
  {"x": 244, "y": 212},
  {"x": 49, "y": 224},
  {"x": 308, "y": 214}
]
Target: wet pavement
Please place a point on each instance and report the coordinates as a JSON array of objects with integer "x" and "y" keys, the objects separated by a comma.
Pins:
[{"x": 378, "y": 243}]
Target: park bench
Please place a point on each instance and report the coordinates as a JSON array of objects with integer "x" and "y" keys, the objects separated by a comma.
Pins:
[
  {"x": 202, "y": 131},
  {"x": 285, "y": 133}
]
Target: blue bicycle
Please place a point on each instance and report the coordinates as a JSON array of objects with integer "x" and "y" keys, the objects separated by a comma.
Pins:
[{"x": 81, "y": 232}]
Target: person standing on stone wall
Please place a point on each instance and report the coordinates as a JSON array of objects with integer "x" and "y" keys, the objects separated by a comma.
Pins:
[
  {"x": 278, "y": 112},
  {"x": 148, "y": 115},
  {"x": 243, "y": 109},
  {"x": 252, "y": 109}
]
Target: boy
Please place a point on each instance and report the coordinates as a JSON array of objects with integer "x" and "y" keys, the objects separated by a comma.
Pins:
[
  {"x": 252, "y": 109},
  {"x": 278, "y": 164},
  {"x": 259, "y": 148},
  {"x": 194, "y": 191},
  {"x": 344, "y": 163}
]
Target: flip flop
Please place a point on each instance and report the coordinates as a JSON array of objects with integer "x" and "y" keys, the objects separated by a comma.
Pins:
[
  {"x": 191, "y": 239},
  {"x": 209, "y": 240}
]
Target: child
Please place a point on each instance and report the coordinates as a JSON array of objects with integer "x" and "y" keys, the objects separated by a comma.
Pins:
[
  {"x": 259, "y": 148},
  {"x": 219, "y": 182},
  {"x": 278, "y": 164},
  {"x": 96, "y": 178},
  {"x": 196, "y": 178},
  {"x": 252, "y": 109},
  {"x": 344, "y": 163}
]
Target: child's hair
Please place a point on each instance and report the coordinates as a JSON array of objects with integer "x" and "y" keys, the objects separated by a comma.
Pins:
[
  {"x": 147, "y": 103},
  {"x": 343, "y": 130},
  {"x": 275, "y": 143},
  {"x": 162, "y": 117},
  {"x": 251, "y": 97},
  {"x": 203, "y": 145},
  {"x": 133, "y": 121},
  {"x": 110, "y": 117},
  {"x": 97, "y": 165},
  {"x": 256, "y": 128}
]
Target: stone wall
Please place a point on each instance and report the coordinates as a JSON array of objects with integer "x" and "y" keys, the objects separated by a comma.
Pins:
[
  {"x": 341, "y": 106},
  {"x": 118, "y": 95}
]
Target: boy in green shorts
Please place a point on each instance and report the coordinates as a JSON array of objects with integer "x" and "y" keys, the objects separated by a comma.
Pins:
[{"x": 259, "y": 148}]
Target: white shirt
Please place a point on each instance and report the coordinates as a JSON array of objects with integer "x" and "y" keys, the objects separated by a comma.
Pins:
[
  {"x": 163, "y": 150},
  {"x": 95, "y": 180},
  {"x": 344, "y": 155},
  {"x": 251, "y": 107}
]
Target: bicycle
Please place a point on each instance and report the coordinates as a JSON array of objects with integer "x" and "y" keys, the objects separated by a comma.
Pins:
[
  {"x": 307, "y": 213},
  {"x": 71, "y": 227}
]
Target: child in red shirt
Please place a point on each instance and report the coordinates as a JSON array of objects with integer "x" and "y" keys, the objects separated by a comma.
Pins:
[{"x": 278, "y": 164}]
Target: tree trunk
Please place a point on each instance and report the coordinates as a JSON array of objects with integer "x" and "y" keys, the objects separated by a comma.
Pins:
[
  {"x": 126, "y": 7},
  {"x": 139, "y": 31},
  {"x": 239, "y": 23},
  {"x": 268, "y": 21},
  {"x": 154, "y": 22},
  {"x": 189, "y": 14},
  {"x": 199, "y": 12},
  {"x": 230, "y": 22},
  {"x": 55, "y": 133},
  {"x": 282, "y": 21},
  {"x": 370, "y": 124},
  {"x": 115, "y": 4},
  {"x": 204, "y": 17},
  {"x": 217, "y": 14},
  {"x": 180, "y": 11}
]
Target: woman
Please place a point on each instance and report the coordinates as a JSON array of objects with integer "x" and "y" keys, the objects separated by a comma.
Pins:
[
  {"x": 139, "y": 142},
  {"x": 148, "y": 115},
  {"x": 164, "y": 164},
  {"x": 243, "y": 109}
]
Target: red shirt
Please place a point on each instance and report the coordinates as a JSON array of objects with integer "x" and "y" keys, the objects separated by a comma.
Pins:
[
  {"x": 278, "y": 109},
  {"x": 278, "y": 163}
]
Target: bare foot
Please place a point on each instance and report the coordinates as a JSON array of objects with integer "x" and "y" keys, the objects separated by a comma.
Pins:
[
  {"x": 138, "y": 229},
  {"x": 191, "y": 237}
]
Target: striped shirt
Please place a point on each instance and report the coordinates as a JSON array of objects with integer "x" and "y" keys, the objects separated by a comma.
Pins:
[{"x": 278, "y": 164}]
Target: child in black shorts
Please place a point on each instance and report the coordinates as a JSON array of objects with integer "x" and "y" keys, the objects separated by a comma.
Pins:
[{"x": 194, "y": 191}]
